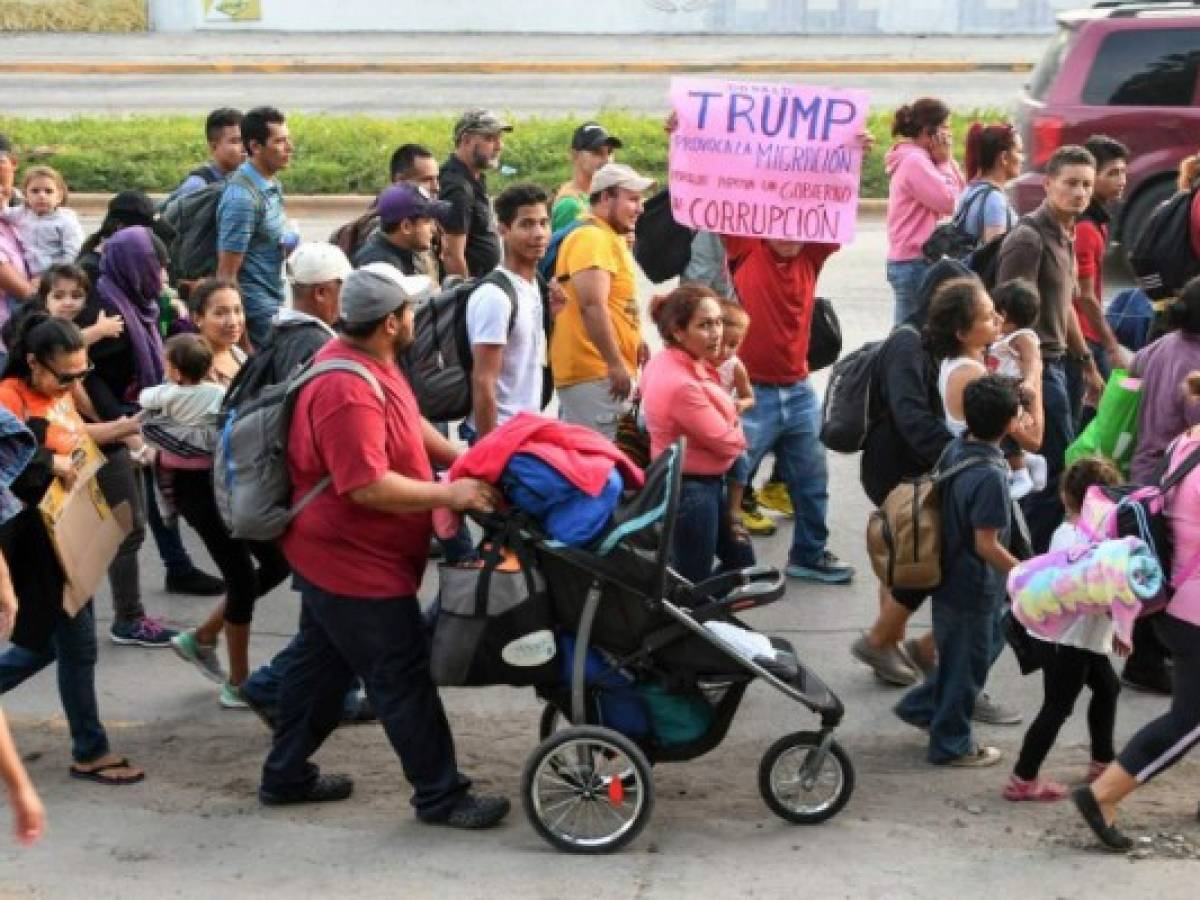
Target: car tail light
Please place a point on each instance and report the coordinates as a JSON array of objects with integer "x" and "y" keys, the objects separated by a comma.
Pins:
[{"x": 1047, "y": 133}]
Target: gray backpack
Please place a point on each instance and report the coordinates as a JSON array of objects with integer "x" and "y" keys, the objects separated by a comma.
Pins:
[{"x": 250, "y": 475}]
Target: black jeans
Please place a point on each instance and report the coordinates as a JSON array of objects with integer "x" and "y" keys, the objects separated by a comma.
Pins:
[
  {"x": 1166, "y": 740},
  {"x": 1065, "y": 671},
  {"x": 120, "y": 482},
  {"x": 244, "y": 583},
  {"x": 385, "y": 643}
]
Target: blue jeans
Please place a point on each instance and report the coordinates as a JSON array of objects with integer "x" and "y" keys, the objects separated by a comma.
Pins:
[
  {"x": 174, "y": 555},
  {"x": 905, "y": 277},
  {"x": 702, "y": 531},
  {"x": 384, "y": 642},
  {"x": 1081, "y": 415},
  {"x": 785, "y": 419},
  {"x": 968, "y": 642},
  {"x": 73, "y": 644},
  {"x": 1043, "y": 509},
  {"x": 258, "y": 325}
]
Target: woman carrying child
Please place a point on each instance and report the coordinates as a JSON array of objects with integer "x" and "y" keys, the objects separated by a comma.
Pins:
[
  {"x": 682, "y": 396},
  {"x": 203, "y": 368},
  {"x": 1077, "y": 659}
]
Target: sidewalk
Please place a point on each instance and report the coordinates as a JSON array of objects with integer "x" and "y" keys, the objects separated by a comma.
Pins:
[{"x": 226, "y": 52}]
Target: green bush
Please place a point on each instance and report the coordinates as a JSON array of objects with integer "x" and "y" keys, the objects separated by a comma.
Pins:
[{"x": 348, "y": 154}]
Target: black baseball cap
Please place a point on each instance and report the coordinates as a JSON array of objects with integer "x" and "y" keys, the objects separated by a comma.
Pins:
[{"x": 593, "y": 136}]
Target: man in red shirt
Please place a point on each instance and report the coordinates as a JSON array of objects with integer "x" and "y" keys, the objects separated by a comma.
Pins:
[
  {"x": 776, "y": 282},
  {"x": 358, "y": 553},
  {"x": 1091, "y": 243}
]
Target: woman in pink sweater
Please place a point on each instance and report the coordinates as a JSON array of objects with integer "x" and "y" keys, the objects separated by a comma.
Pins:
[{"x": 924, "y": 186}]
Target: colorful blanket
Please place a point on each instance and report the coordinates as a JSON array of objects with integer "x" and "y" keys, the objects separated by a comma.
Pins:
[{"x": 1050, "y": 593}]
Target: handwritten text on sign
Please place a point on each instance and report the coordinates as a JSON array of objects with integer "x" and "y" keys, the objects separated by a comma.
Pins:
[{"x": 766, "y": 160}]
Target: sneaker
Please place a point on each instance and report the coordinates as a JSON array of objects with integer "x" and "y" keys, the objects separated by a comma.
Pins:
[
  {"x": 827, "y": 569},
  {"x": 1020, "y": 484},
  {"x": 143, "y": 632},
  {"x": 1154, "y": 681},
  {"x": 1094, "y": 770},
  {"x": 231, "y": 697},
  {"x": 475, "y": 811},
  {"x": 756, "y": 523},
  {"x": 202, "y": 656},
  {"x": 888, "y": 663},
  {"x": 1038, "y": 469},
  {"x": 774, "y": 495},
  {"x": 193, "y": 581},
  {"x": 324, "y": 789},
  {"x": 989, "y": 712},
  {"x": 1019, "y": 789},
  {"x": 980, "y": 757},
  {"x": 911, "y": 648}
]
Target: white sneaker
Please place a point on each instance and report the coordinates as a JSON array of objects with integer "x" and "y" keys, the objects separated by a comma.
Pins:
[
  {"x": 1020, "y": 484},
  {"x": 1035, "y": 464}
]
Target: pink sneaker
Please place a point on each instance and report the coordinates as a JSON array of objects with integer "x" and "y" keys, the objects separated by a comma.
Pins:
[
  {"x": 1020, "y": 789},
  {"x": 1095, "y": 770}
]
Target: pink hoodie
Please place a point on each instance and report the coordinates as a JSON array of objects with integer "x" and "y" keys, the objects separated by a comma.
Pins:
[{"x": 919, "y": 194}]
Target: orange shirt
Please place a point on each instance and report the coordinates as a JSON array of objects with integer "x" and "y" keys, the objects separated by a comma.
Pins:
[{"x": 65, "y": 427}]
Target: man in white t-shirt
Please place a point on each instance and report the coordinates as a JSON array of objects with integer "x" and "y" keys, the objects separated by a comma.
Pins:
[{"x": 508, "y": 339}]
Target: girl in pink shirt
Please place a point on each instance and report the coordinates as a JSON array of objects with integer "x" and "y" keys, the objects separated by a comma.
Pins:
[{"x": 682, "y": 396}]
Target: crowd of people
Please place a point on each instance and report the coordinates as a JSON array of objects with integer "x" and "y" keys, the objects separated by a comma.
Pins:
[{"x": 104, "y": 341}]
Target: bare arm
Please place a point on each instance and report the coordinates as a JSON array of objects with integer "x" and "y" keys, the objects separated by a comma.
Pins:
[
  {"x": 29, "y": 816},
  {"x": 454, "y": 254},
  {"x": 485, "y": 373},
  {"x": 742, "y": 386},
  {"x": 111, "y": 432},
  {"x": 394, "y": 494},
  {"x": 441, "y": 452},
  {"x": 14, "y": 283},
  {"x": 991, "y": 551}
]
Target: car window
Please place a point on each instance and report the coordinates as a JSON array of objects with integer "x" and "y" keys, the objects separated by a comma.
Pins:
[
  {"x": 1051, "y": 61},
  {"x": 1145, "y": 67}
]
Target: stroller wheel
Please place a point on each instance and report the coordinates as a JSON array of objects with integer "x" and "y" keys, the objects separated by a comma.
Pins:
[
  {"x": 587, "y": 790},
  {"x": 552, "y": 720},
  {"x": 799, "y": 796}
]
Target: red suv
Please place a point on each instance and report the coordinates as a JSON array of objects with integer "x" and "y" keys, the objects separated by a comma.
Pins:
[{"x": 1127, "y": 70}]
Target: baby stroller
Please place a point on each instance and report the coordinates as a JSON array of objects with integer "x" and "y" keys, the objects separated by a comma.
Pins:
[{"x": 587, "y": 788}]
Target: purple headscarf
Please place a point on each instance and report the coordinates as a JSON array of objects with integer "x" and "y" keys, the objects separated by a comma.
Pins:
[{"x": 130, "y": 282}]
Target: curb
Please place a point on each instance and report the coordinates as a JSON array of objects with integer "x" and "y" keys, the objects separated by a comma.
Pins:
[
  {"x": 531, "y": 67},
  {"x": 350, "y": 205}
]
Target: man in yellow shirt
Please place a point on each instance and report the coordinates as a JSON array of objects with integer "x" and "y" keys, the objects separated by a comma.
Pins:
[{"x": 597, "y": 343}]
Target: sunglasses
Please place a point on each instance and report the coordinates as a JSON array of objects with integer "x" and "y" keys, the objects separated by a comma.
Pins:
[{"x": 66, "y": 378}]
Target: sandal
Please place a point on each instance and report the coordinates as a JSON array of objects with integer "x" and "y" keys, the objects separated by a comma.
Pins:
[
  {"x": 98, "y": 773},
  {"x": 1034, "y": 789}
]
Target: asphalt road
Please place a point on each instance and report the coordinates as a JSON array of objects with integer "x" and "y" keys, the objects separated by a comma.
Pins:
[{"x": 61, "y": 96}]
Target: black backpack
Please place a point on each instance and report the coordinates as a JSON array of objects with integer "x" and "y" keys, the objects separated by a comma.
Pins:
[
  {"x": 438, "y": 364},
  {"x": 661, "y": 245},
  {"x": 952, "y": 238},
  {"x": 194, "y": 218},
  {"x": 984, "y": 261},
  {"x": 1162, "y": 258}
]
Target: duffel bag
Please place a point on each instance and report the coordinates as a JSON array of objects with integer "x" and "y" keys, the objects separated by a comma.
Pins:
[{"x": 494, "y": 623}]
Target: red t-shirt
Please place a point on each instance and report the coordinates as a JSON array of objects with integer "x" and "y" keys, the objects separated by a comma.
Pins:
[
  {"x": 1195, "y": 224},
  {"x": 339, "y": 428},
  {"x": 778, "y": 293},
  {"x": 1091, "y": 239}
]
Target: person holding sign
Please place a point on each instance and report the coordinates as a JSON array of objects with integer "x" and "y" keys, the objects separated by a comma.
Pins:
[{"x": 597, "y": 345}]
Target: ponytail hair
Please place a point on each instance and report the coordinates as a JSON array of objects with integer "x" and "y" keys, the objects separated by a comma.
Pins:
[
  {"x": 37, "y": 334},
  {"x": 922, "y": 116},
  {"x": 985, "y": 145}
]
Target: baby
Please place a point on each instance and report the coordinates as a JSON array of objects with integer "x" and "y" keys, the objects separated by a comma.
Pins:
[
  {"x": 1016, "y": 354},
  {"x": 50, "y": 233},
  {"x": 736, "y": 380},
  {"x": 186, "y": 399}
]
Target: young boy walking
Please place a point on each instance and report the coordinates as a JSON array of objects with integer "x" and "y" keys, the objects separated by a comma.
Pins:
[{"x": 976, "y": 524}]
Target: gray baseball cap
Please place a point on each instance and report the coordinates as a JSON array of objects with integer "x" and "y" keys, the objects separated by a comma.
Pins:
[
  {"x": 479, "y": 121},
  {"x": 375, "y": 290}
]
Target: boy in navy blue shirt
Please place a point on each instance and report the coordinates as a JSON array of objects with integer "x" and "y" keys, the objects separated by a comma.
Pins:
[{"x": 976, "y": 525}]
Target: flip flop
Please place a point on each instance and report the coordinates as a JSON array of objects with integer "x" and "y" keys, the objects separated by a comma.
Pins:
[{"x": 97, "y": 774}]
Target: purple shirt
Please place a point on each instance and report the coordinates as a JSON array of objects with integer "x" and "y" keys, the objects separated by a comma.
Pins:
[{"x": 1166, "y": 412}]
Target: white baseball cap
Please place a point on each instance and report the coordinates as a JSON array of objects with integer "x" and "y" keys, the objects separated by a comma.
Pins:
[
  {"x": 317, "y": 263},
  {"x": 621, "y": 176}
]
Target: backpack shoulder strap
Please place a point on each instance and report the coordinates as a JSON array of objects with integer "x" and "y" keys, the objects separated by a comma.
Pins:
[
  {"x": 941, "y": 475},
  {"x": 336, "y": 365},
  {"x": 1181, "y": 471},
  {"x": 238, "y": 177}
]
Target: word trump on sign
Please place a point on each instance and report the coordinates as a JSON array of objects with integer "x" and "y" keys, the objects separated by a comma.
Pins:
[{"x": 766, "y": 160}]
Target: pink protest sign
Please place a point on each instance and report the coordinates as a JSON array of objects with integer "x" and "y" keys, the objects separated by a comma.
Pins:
[{"x": 763, "y": 159}]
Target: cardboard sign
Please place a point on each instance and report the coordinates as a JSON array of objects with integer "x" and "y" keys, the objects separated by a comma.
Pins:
[
  {"x": 762, "y": 159},
  {"x": 84, "y": 530}
]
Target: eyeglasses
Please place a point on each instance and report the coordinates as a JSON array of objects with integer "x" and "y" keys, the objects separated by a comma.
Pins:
[{"x": 66, "y": 378}]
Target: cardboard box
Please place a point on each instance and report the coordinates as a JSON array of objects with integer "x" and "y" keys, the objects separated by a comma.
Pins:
[{"x": 84, "y": 530}]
